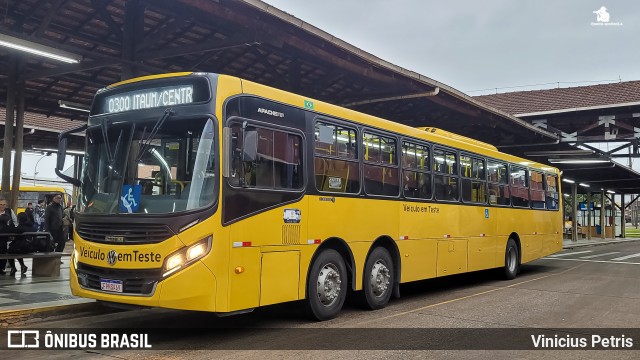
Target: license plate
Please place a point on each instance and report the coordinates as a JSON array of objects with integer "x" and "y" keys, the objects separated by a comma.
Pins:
[{"x": 111, "y": 285}]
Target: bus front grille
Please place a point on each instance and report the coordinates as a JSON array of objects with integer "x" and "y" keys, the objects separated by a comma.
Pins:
[
  {"x": 118, "y": 233},
  {"x": 134, "y": 281}
]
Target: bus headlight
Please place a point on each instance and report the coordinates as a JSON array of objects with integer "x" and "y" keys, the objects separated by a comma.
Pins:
[{"x": 186, "y": 256}]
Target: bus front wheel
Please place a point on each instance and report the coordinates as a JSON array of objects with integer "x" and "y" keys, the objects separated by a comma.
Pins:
[
  {"x": 511, "y": 260},
  {"x": 327, "y": 285},
  {"x": 378, "y": 279}
]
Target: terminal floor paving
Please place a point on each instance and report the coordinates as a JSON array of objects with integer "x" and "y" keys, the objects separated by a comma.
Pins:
[{"x": 24, "y": 292}]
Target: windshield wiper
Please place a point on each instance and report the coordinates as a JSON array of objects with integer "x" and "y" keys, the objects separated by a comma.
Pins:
[
  {"x": 111, "y": 157},
  {"x": 146, "y": 141}
]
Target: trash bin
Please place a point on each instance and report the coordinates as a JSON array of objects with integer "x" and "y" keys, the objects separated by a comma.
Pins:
[{"x": 598, "y": 230}]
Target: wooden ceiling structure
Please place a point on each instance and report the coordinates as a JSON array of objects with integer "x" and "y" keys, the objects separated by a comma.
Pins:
[{"x": 120, "y": 39}]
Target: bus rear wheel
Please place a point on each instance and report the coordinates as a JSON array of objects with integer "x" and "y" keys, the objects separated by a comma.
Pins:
[
  {"x": 511, "y": 260},
  {"x": 327, "y": 285},
  {"x": 378, "y": 279}
]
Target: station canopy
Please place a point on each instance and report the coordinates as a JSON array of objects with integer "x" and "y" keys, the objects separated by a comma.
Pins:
[
  {"x": 117, "y": 39},
  {"x": 595, "y": 124}
]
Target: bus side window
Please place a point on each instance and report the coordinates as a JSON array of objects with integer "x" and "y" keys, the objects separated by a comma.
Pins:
[
  {"x": 552, "y": 198},
  {"x": 336, "y": 158},
  {"x": 277, "y": 163},
  {"x": 519, "y": 187},
  {"x": 381, "y": 173},
  {"x": 446, "y": 176},
  {"x": 537, "y": 190},
  {"x": 416, "y": 171},
  {"x": 499, "y": 192}
]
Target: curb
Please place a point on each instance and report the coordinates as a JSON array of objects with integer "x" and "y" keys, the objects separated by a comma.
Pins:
[
  {"x": 14, "y": 317},
  {"x": 598, "y": 243}
]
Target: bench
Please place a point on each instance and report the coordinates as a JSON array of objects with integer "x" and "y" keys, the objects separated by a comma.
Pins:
[{"x": 44, "y": 263}]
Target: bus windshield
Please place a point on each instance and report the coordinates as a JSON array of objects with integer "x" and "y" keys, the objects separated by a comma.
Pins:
[{"x": 155, "y": 167}]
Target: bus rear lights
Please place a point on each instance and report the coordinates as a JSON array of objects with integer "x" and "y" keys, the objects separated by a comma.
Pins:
[{"x": 186, "y": 256}]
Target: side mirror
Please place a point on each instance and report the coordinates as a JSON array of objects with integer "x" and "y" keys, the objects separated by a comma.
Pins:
[{"x": 62, "y": 153}]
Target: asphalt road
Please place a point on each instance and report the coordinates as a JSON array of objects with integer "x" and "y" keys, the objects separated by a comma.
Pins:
[{"x": 595, "y": 287}]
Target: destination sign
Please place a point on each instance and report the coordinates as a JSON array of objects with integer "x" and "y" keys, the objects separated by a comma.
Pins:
[{"x": 149, "y": 98}]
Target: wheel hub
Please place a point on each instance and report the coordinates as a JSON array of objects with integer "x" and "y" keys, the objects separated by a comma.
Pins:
[
  {"x": 328, "y": 284},
  {"x": 380, "y": 278}
]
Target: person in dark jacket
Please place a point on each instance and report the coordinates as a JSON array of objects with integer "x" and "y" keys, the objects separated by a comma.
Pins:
[
  {"x": 30, "y": 217},
  {"x": 18, "y": 244},
  {"x": 8, "y": 225},
  {"x": 53, "y": 222}
]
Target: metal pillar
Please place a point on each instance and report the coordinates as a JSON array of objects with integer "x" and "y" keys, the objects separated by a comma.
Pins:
[
  {"x": 574, "y": 204},
  {"x": 623, "y": 220},
  {"x": 589, "y": 213},
  {"x": 132, "y": 28},
  {"x": 17, "y": 161},
  {"x": 8, "y": 129},
  {"x": 602, "y": 211}
]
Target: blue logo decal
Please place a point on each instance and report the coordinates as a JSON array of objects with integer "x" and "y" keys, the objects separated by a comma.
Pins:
[
  {"x": 486, "y": 213},
  {"x": 130, "y": 198}
]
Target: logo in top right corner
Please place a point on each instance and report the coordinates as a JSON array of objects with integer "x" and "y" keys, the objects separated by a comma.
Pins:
[{"x": 603, "y": 18}]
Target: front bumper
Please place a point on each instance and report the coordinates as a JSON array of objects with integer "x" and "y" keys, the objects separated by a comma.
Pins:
[{"x": 193, "y": 288}]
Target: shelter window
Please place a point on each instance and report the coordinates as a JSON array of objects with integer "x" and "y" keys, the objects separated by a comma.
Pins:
[
  {"x": 552, "y": 197},
  {"x": 473, "y": 179},
  {"x": 336, "y": 165},
  {"x": 381, "y": 173},
  {"x": 519, "y": 187},
  {"x": 445, "y": 164},
  {"x": 416, "y": 171},
  {"x": 499, "y": 192},
  {"x": 537, "y": 190}
]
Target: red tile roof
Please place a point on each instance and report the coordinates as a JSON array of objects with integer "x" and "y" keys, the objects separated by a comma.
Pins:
[
  {"x": 42, "y": 122},
  {"x": 525, "y": 102}
]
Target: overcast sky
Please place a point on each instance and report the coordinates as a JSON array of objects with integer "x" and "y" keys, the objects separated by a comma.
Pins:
[{"x": 472, "y": 45}]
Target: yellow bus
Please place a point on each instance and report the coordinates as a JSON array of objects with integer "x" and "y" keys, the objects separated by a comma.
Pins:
[
  {"x": 32, "y": 194},
  {"x": 207, "y": 192}
]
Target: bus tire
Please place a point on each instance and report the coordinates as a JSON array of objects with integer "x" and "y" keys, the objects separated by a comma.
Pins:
[
  {"x": 377, "y": 281},
  {"x": 327, "y": 285},
  {"x": 511, "y": 260}
]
